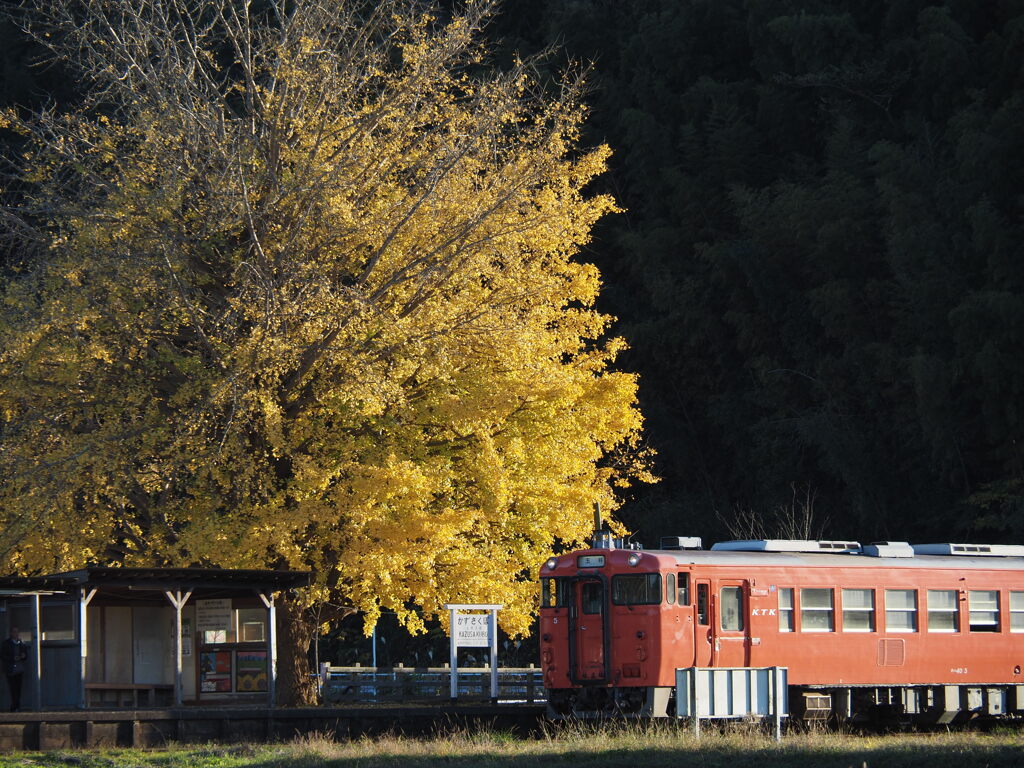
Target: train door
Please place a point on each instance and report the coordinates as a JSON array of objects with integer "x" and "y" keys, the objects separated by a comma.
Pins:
[
  {"x": 588, "y": 631},
  {"x": 731, "y": 625},
  {"x": 702, "y": 622}
]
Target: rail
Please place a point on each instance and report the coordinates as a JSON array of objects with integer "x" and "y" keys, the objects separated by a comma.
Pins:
[{"x": 392, "y": 684}]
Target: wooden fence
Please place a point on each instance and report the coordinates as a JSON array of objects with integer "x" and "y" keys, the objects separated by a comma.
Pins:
[{"x": 369, "y": 684}]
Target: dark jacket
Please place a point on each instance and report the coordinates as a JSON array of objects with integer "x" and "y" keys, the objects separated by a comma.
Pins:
[{"x": 14, "y": 654}]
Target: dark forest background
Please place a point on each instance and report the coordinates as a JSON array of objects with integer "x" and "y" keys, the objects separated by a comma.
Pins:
[{"x": 820, "y": 268}]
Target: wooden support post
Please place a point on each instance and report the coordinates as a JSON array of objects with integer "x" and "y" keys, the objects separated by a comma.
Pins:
[
  {"x": 37, "y": 656},
  {"x": 178, "y": 600},
  {"x": 83, "y": 640},
  {"x": 268, "y": 601}
]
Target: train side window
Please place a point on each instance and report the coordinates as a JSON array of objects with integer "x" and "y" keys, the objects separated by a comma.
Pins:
[
  {"x": 943, "y": 611},
  {"x": 1017, "y": 611},
  {"x": 858, "y": 610},
  {"x": 636, "y": 589},
  {"x": 670, "y": 589},
  {"x": 731, "y": 608},
  {"x": 786, "y": 609},
  {"x": 703, "y": 595},
  {"x": 901, "y": 610},
  {"x": 817, "y": 610},
  {"x": 684, "y": 589},
  {"x": 984, "y": 609}
]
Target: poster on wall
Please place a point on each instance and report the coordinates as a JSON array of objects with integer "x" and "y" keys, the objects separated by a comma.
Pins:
[
  {"x": 215, "y": 672},
  {"x": 186, "y": 637},
  {"x": 213, "y": 615},
  {"x": 250, "y": 671}
]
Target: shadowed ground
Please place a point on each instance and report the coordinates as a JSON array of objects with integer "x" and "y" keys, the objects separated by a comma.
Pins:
[{"x": 630, "y": 746}]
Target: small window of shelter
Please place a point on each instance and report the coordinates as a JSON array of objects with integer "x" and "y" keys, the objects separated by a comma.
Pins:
[
  {"x": 19, "y": 615},
  {"x": 243, "y": 625},
  {"x": 57, "y": 621}
]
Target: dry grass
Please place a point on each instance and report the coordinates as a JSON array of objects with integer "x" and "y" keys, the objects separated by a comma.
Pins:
[{"x": 636, "y": 745}]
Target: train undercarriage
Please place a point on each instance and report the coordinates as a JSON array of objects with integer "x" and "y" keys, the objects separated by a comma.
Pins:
[
  {"x": 920, "y": 705},
  {"x": 914, "y": 705}
]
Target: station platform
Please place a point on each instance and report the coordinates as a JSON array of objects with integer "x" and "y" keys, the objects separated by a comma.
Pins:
[{"x": 153, "y": 728}]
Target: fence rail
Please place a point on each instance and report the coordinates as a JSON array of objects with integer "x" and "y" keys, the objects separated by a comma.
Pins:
[{"x": 391, "y": 684}]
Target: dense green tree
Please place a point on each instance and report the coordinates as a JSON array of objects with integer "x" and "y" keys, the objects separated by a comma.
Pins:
[{"x": 819, "y": 269}]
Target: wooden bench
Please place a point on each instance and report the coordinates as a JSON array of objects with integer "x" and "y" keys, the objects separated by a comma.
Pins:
[{"x": 125, "y": 694}]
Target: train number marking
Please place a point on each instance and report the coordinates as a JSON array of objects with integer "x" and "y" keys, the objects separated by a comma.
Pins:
[{"x": 958, "y": 670}]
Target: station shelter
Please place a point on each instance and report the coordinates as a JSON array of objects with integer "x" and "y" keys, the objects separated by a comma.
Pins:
[{"x": 130, "y": 637}]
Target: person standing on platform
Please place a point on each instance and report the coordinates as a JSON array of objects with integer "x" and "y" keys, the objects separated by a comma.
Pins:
[{"x": 14, "y": 654}]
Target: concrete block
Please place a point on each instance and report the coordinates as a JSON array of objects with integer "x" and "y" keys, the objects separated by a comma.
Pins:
[
  {"x": 287, "y": 729},
  {"x": 99, "y": 735},
  {"x": 248, "y": 730},
  {"x": 153, "y": 733},
  {"x": 199, "y": 731},
  {"x": 14, "y": 737},
  {"x": 55, "y": 736}
]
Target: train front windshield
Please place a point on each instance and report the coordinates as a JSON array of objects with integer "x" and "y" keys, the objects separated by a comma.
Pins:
[{"x": 555, "y": 593}]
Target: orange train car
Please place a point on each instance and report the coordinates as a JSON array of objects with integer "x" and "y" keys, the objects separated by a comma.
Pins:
[{"x": 932, "y": 633}]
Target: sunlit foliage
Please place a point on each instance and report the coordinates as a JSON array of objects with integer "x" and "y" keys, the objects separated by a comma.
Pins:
[{"x": 299, "y": 288}]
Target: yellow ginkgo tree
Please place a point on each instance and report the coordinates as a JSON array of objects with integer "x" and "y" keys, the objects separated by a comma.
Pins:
[{"x": 296, "y": 285}]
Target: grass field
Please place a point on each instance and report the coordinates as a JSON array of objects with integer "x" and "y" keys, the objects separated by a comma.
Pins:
[{"x": 625, "y": 746}]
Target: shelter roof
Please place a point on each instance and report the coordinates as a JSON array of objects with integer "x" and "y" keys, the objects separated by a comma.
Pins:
[
  {"x": 159, "y": 579},
  {"x": 29, "y": 584}
]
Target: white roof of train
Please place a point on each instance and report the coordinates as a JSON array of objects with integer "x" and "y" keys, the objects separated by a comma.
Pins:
[{"x": 850, "y": 554}]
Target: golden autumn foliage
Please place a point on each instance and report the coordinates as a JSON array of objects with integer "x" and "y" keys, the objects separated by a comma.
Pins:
[{"x": 300, "y": 289}]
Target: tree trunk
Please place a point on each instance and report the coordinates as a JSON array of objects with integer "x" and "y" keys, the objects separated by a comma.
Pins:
[{"x": 296, "y": 628}]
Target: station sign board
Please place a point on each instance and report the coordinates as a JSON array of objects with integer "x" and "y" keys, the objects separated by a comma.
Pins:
[{"x": 471, "y": 630}]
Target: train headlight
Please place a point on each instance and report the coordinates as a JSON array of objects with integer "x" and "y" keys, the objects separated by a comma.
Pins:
[
  {"x": 551, "y": 563},
  {"x": 633, "y": 559}
]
